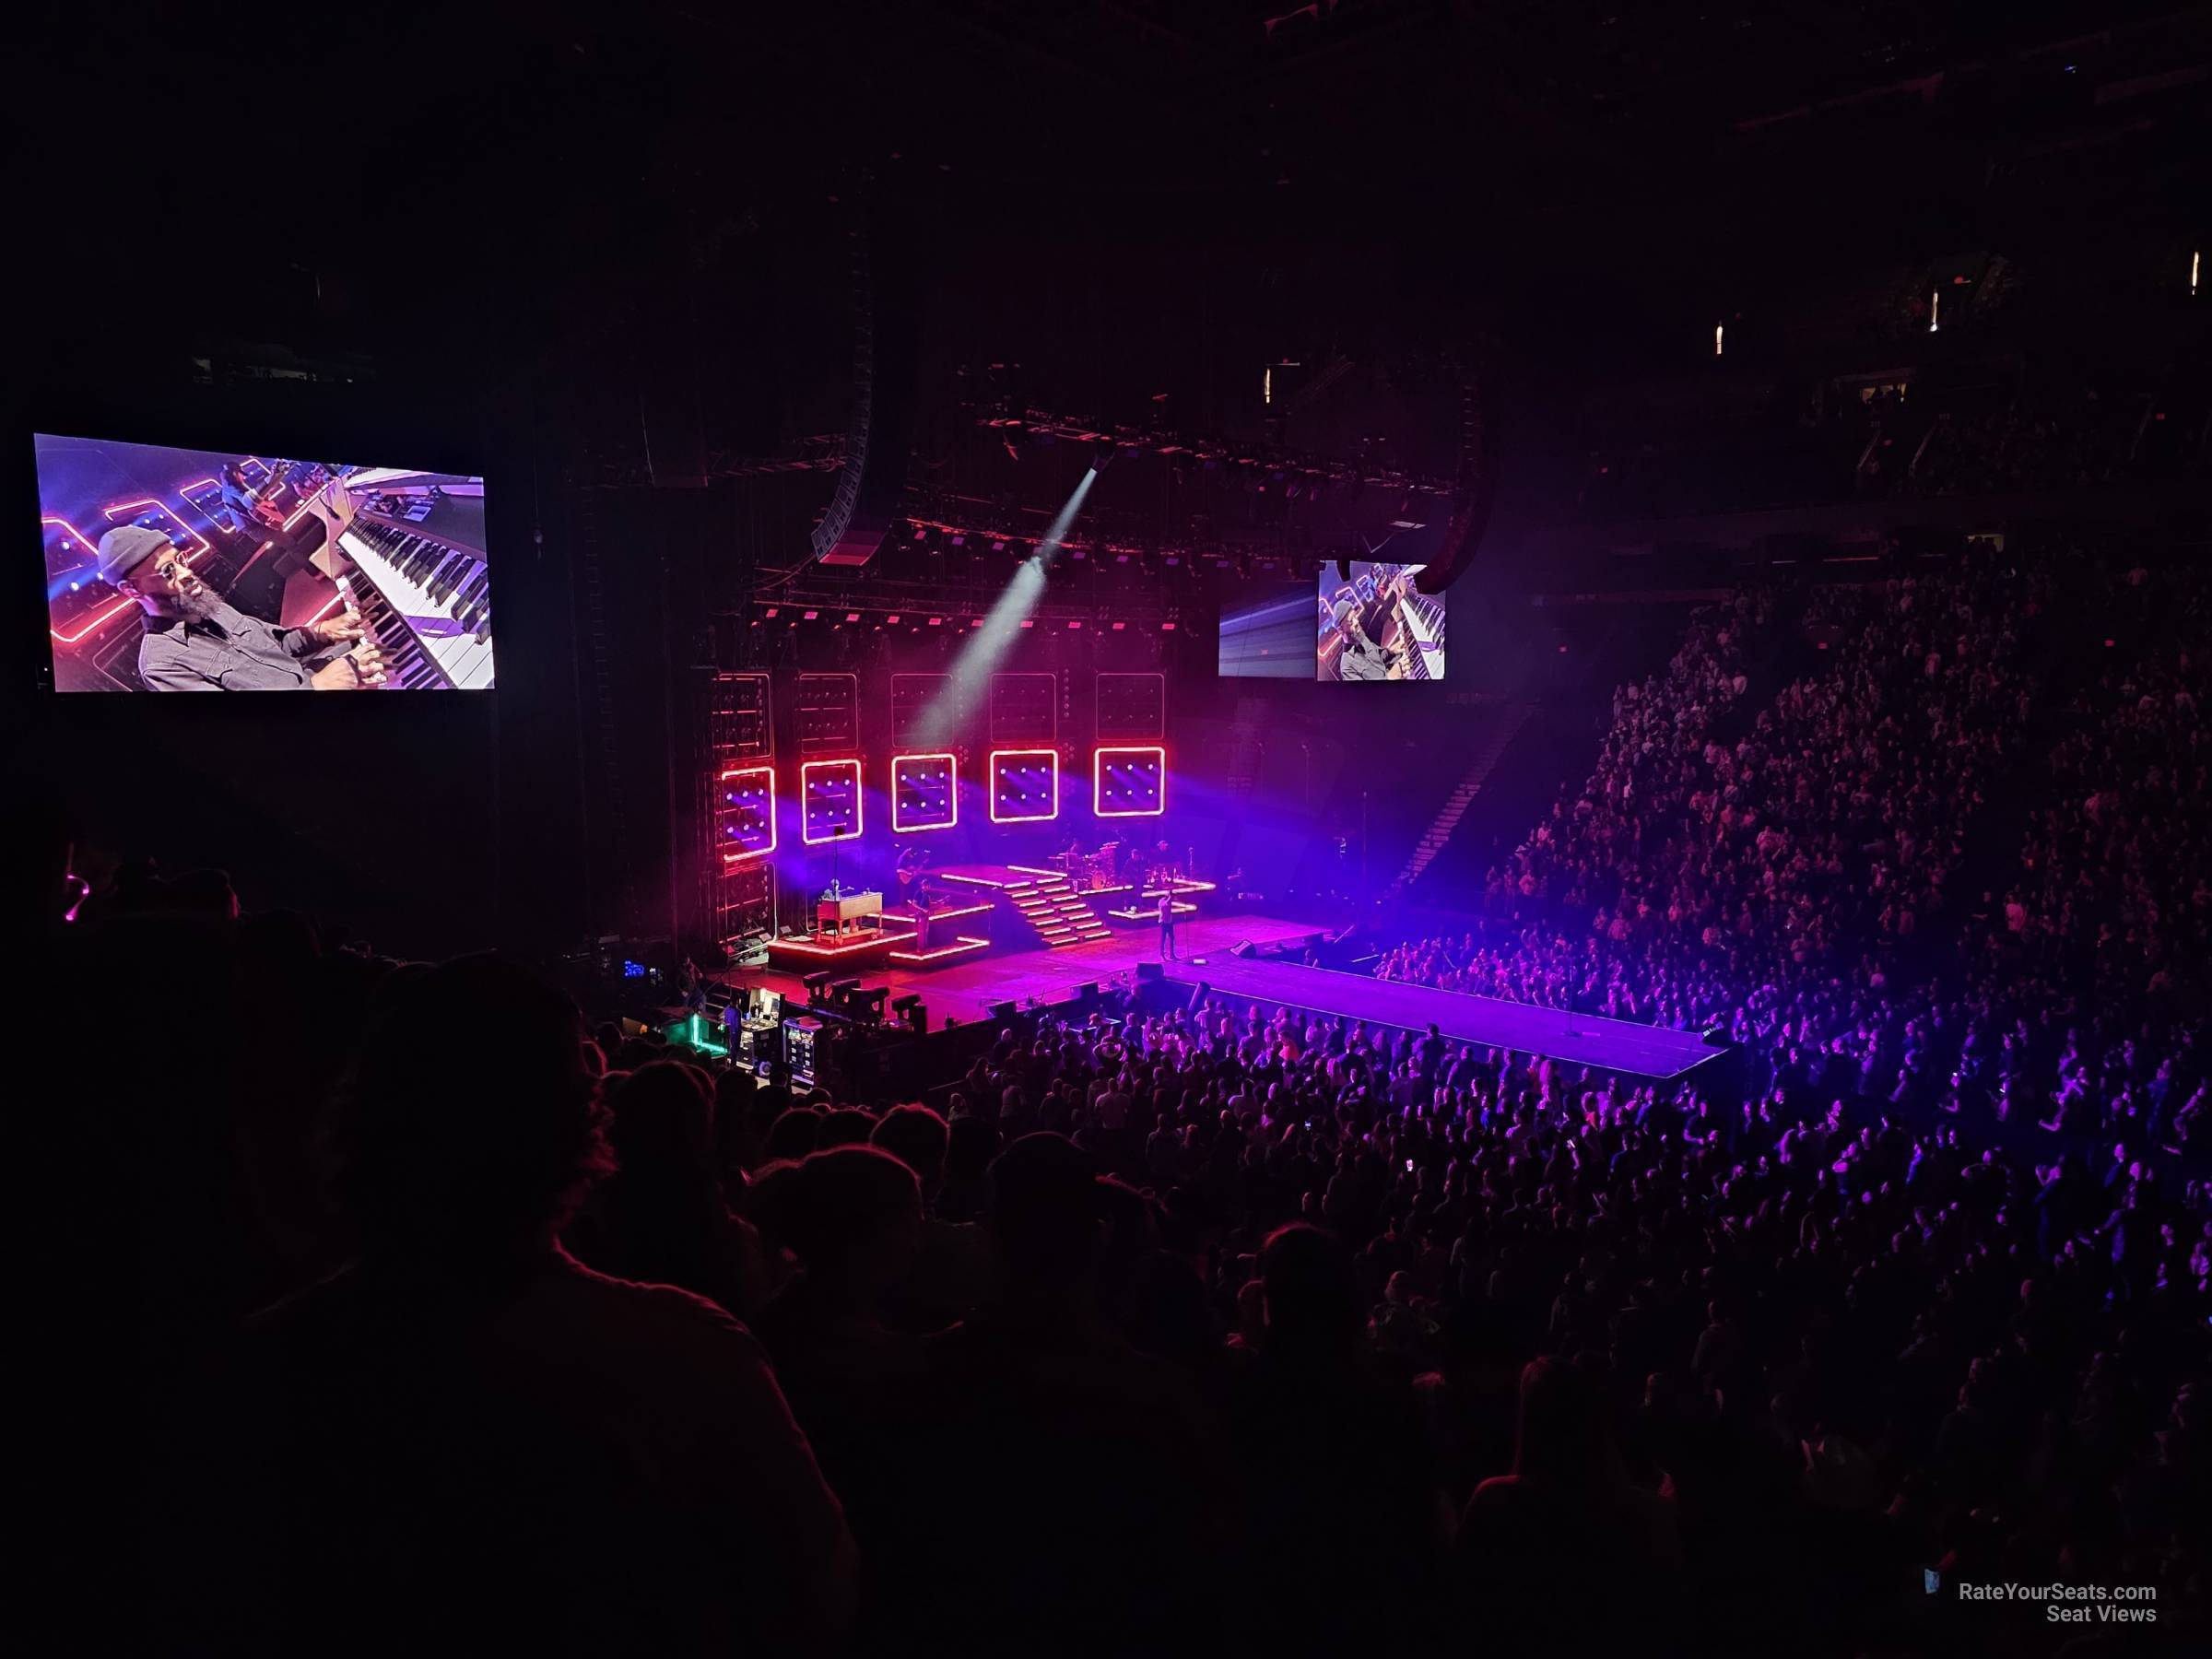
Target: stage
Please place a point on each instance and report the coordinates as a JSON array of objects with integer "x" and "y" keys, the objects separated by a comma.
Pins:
[
  {"x": 967, "y": 989},
  {"x": 1618, "y": 1045}
]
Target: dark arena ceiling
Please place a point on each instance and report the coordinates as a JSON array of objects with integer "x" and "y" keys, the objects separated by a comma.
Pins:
[{"x": 1113, "y": 214}]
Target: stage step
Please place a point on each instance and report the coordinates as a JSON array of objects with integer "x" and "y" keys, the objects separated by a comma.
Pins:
[{"x": 1060, "y": 915}]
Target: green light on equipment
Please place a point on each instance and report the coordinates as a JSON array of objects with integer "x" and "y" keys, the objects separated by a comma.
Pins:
[{"x": 695, "y": 1036}]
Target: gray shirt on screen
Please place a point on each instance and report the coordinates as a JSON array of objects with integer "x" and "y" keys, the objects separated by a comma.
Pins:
[{"x": 228, "y": 652}]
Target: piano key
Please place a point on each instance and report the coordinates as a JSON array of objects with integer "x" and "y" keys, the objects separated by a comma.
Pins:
[{"x": 422, "y": 581}]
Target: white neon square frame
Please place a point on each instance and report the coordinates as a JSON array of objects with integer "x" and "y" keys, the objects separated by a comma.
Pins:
[
  {"x": 1052, "y": 754},
  {"x": 952, "y": 792},
  {"x": 807, "y": 771},
  {"x": 754, "y": 772},
  {"x": 1097, "y": 780}
]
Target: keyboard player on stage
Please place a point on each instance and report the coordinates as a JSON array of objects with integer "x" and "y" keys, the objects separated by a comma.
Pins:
[{"x": 195, "y": 642}]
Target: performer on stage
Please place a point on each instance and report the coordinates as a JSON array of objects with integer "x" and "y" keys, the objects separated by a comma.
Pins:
[
  {"x": 239, "y": 498},
  {"x": 1167, "y": 925},
  {"x": 194, "y": 641}
]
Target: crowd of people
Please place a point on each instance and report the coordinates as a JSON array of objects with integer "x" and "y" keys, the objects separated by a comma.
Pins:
[{"x": 1167, "y": 1325}]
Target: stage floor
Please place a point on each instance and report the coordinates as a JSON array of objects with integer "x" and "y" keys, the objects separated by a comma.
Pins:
[
  {"x": 1614, "y": 1044},
  {"x": 967, "y": 989}
]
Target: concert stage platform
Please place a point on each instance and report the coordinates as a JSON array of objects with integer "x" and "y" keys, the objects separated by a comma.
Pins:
[
  {"x": 1618, "y": 1045},
  {"x": 967, "y": 989}
]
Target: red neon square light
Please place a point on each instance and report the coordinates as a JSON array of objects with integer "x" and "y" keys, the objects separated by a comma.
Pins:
[
  {"x": 1051, "y": 759},
  {"x": 1138, "y": 755},
  {"x": 767, "y": 774},
  {"x": 948, "y": 764},
  {"x": 807, "y": 771}
]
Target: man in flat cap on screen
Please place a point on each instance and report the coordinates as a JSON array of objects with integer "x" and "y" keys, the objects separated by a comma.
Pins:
[{"x": 194, "y": 641}]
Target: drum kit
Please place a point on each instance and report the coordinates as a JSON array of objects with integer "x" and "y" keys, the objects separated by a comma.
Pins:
[{"x": 1089, "y": 872}]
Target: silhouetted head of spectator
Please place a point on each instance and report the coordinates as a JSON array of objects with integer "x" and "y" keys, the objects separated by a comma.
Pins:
[
  {"x": 917, "y": 1137},
  {"x": 1312, "y": 1294},
  {"x": 663, "y": 1129},
  {"x": 794, "y": 1134},
  {"x": 770, "y": 1198},
  {"x": 637, "y": 1053},
  {"x": 472, "y": 1126},
  {"x": 854, "y": 1220},
  {"x": 734, "y": 1091},
  {"x": 1044, "y": 1210},
  {"x": 846, "y": 1126}
]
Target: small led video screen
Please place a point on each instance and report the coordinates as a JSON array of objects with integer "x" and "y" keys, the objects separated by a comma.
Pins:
[
  {"x": 1266, "y": 632},
  {"x": 1376, "y": 626},
  {"x": 176, "y": 570}
]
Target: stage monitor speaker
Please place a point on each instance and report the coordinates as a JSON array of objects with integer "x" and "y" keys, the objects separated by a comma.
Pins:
[
  {"x": 1002, "y": 1010},
  {"x": 1148, "y": 971},
  {"x": 1087, "y": 989},
  {"x": 1242, "y": 947}
]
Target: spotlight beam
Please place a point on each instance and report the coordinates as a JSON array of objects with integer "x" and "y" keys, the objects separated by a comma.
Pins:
[{"x": 985, "y": 647}]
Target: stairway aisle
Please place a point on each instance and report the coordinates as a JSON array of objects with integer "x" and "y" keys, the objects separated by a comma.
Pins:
[{"x": 1463, "y": 795}]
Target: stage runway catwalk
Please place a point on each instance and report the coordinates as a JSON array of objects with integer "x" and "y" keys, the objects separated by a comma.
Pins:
[{"x": 1583, "y": 1040}]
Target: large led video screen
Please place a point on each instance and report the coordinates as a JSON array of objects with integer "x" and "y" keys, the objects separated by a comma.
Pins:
[
  {"x": 1266, "y": 632},
  {"x": 1376, "y": 626},
  {"x": 182, "y": 569}
]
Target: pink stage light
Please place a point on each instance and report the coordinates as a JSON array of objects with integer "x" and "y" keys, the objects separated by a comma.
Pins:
[
  {"x": 943, "y": 914},
  {"x": 901, "y": 766},
  {"x": 997, "y": 772},
  {"x": 1148, "y": 763},
  {"x": 732, "y": 782},
  {"x": 807, "y": 773},
  {"x": 852, "y": 946},
  {"x": 962, "y": 944}
]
